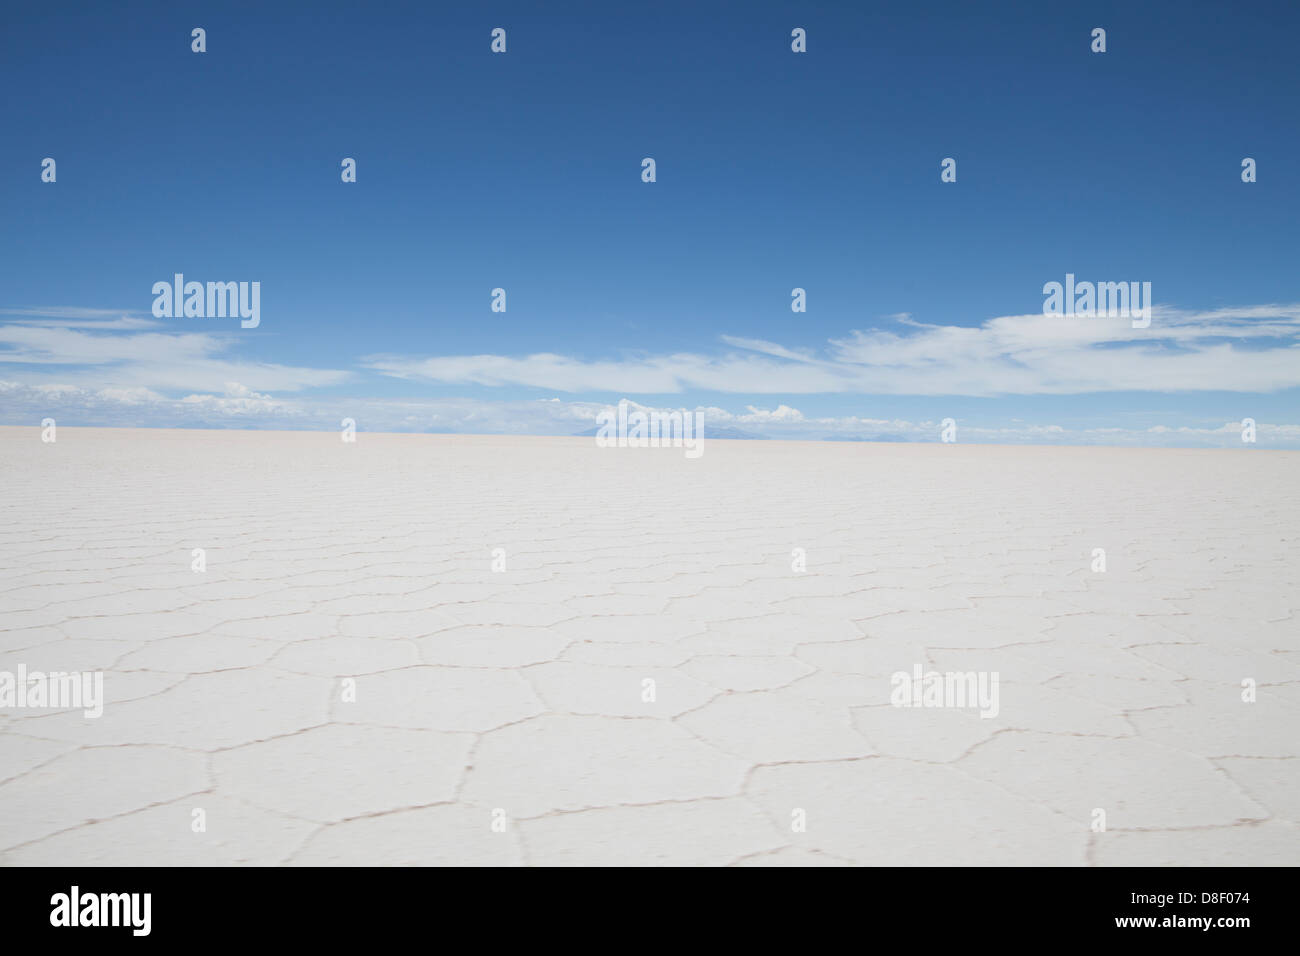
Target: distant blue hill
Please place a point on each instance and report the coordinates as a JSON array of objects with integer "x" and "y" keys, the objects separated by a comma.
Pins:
[
  {"x": 709, "y": 432},
  {"x": 899, "y": 438}
]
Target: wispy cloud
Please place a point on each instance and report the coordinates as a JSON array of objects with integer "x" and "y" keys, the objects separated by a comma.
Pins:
[
  {"x": 129, "y": 352},
  {"x": 1253, "y": 349},
  {"x": 104, "y": 367},
  {"x": 237, "y": 406},
  {"x": 76, "y": 317}
]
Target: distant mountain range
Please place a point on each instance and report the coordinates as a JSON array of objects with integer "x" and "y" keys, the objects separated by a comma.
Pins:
[
  {"x": 871, "y": 438},
  {"x": 709, "y": 432},
  {"x": 735, "y": 433}
]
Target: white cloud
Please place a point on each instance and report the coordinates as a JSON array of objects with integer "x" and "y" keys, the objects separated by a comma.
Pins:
[
  {"x": 76, "y": 317},
  {"x": 1241, "y": 350},
  {"x": 102, "y": 367},
  {"x": 106, "y": 353},
  {"x": 129, "y": 396},
  {"x": 239, "y": 406},
  {"x": 240, "y": 400},
  {"x": 782, "y": 413}
]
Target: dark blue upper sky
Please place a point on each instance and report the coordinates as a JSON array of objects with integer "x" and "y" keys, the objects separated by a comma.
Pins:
[{"x": 774, "y": 170}]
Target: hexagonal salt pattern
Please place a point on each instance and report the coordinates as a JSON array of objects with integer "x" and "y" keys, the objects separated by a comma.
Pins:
[{"x": 425, "y": 649}]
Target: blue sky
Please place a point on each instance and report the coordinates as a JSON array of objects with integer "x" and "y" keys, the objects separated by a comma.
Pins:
[{"x": 775, "y": 170}]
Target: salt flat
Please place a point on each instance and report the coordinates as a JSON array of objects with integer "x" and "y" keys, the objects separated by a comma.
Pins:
[{"x": 495, "y": 650}]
